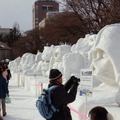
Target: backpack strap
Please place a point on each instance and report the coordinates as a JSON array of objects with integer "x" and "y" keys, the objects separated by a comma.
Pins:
[{"x": 49, "y": 91}]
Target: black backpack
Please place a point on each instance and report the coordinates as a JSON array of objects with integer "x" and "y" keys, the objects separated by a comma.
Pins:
[{"x": 44, "y": 105}]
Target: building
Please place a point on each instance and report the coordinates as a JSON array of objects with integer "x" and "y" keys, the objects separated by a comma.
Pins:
[
  {"x": 5, "y": 51},
  {"x": 4, "y": 31},
  {"x": 48, "y": 15},
  {"x": 40, "y": 8}
]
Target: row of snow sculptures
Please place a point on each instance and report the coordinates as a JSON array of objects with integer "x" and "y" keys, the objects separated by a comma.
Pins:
[
  {"x": 100, "y": 52},
  {"x": 80, "y": 56}
]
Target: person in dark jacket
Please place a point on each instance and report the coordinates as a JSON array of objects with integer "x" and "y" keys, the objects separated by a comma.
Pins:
[
  {"x": 8, "y": 75},
  {"x": 62, "y": 95},
  {"x": 3, "y": 88}
]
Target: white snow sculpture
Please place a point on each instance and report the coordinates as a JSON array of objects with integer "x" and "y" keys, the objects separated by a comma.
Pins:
[
  {"x": 38, "y": 70},
  {"x": 31, "y": 68},
  {"x": 30, "y": 72},
  {"x": 84, "y": 44},
  {"x": 38, "y": 57},
  {"x": 13, "y": 65},
  {"x": 58, "y": 54},
  {"x": 117, "y": 97},
  {"x": 44, "y": 67},
  {"x": 46, "y": 57},
  {"x": 47, "y": 53},
  {"x": 72, "y": 63},
  {"x": 80, "y": 57},
  {"x": 59, "y": 51},
  {"x": 29, "y": 61},
  {"x": 23, "y": 58},
  {"x": 106, "y": 56},
  {"x": 35, "y": 70},
  {"x": 26, "y": 61}
]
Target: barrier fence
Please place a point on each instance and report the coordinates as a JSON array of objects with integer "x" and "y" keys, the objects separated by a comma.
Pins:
[{"x": 80, "y": 114}]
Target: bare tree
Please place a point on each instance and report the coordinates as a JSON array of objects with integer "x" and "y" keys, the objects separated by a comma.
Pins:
[
  {"x": 95, "y": 14},
  {"x": 65, "y": 27}
]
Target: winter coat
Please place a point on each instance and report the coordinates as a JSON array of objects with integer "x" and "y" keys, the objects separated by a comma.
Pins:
[
  {"x": 3, "y": 87},
  {"x": 60, "y": 98},
  {"x": 9, "y": 74}
]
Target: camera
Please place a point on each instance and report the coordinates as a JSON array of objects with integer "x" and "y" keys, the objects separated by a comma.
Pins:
[{"x": 75, "y": 79}]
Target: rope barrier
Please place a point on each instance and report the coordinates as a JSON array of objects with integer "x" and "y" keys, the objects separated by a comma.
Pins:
[
  {"x": 37, "y": 84},
  {"x": 80, "y": 114}
]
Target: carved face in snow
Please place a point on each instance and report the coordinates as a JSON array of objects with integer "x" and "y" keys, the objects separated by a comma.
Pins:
[
  {"x": 47, "y": 53},
  {"x": 102, "y": 67},
  {"x": 60, "y": 51},
  {"x": 106, "y": 56}
]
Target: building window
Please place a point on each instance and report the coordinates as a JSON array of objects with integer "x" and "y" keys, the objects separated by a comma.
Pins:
[
  {"x": 36, "y": 8},
  {"x": 50, "y": 8},
  {"x": 36, "y": 19},
  {"x": 44, "y": 7},
  {"x": 47, "y": 7}
]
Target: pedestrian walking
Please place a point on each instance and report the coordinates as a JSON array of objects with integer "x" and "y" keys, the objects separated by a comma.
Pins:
[{"x": 3, "y": 88}]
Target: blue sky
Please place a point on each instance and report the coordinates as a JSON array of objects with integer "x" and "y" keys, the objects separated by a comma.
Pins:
[{"x": 16, "y": 11}]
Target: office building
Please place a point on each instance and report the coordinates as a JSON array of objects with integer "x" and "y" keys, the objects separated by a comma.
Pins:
[{"x": 40, "y": 8}]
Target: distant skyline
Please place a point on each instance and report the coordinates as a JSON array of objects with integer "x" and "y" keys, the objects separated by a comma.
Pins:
[{"x": 16, "y": 11}]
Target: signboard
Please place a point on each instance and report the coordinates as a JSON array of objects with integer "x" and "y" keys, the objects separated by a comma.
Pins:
[{"x": 86, "y": 83}]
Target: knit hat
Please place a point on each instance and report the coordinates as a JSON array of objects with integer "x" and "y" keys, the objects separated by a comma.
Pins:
[{"x": 54, "y": 74}]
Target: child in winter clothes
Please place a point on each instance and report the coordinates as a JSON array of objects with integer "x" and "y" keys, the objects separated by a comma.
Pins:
[{"x": 99, "y": 113}]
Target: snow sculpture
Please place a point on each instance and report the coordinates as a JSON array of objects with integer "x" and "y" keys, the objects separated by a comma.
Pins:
[
  {"x": 30, "y": 71},
  {"x": 58, "y": 54},
  {"x": 72, "y": 63},
  {"x": 38, "y": 70},
  {"x": 47, "y": 53},
  {"x": 13, "y": 65},
  {"x": 32, "y": 68},
  {"x": 60, "y": 51},
  {"x": 117, "y": 97},
  {"x": 23, "y": 58},
  {"x": 106, "y": 56},
  {"x": 26, "y": 61},
  {"x": 46, "y": 56},
  {"x": 84, "y": 44},
  {"x": 29, "y": 61},
  {"x": 80, "y": 57},
  {"x": 38, "y": 57}
]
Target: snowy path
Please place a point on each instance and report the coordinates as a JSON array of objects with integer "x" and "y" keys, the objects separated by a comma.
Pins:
[{"x": 23, "y": 104}]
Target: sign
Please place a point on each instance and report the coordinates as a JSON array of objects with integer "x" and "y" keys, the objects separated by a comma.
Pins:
[{"x": 86, "y": 83}]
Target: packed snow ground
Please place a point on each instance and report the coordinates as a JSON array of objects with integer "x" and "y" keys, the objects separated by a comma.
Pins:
[{"x": 23, "y": 105}]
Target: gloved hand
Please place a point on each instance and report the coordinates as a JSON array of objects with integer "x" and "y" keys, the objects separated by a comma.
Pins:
[{"x": 75, "y": 79}]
